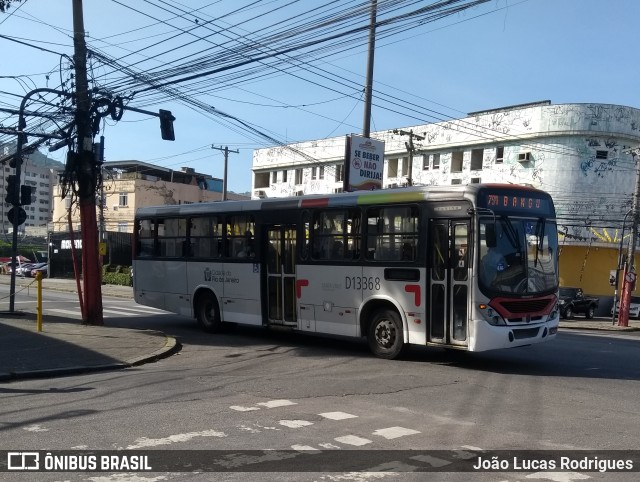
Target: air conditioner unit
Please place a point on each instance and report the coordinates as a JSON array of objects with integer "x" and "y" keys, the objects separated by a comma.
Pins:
[
  {"x": 114, "y": 207},
  {"x": 392, "y": 185},
  {"x": 260, "y": 194},
  {"x": 524, "y": 156}
]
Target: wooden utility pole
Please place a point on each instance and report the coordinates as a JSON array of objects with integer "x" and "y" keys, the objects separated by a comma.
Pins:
[
  {"x": 226, "y": 160},
  {"x": 86, "y": 169},
  {"x": 410, "y": 150},
  {"x": 368, "y": 89}
]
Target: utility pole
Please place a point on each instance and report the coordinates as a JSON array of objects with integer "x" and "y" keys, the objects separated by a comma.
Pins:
[
  {"x": 629, "y": 281},
  {"x": 368, "y": 89},
  {"x": 226, "y": 160},
  {"x": 87, "y": 177},
  {"x": 410, "y": 150}
]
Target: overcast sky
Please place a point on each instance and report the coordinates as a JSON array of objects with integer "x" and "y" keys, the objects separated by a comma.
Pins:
[{"x": 500, "y": 53}]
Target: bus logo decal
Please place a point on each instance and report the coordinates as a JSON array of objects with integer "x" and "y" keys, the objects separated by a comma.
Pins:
[
  {"x": 415, "y": 289},
  {"x": 299, "y": 284}
]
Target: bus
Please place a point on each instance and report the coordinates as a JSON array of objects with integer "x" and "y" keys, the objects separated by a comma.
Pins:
[{"x": 470, "y": 268}]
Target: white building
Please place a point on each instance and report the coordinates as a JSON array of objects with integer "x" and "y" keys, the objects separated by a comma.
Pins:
[
  {"x": 582, "y": 154},
  {"x": 41, "y": 180}
]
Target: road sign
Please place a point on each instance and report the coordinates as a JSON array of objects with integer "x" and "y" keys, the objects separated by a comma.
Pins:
[
  {"x": 20, "y": 213},
  {"x": 630, "y": 277}
]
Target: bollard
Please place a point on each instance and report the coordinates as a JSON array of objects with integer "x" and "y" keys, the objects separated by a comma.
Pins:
[{"x": 39, "y": 302}]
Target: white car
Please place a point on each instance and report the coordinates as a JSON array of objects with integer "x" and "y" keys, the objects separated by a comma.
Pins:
[{"x": 634, "y": 307}]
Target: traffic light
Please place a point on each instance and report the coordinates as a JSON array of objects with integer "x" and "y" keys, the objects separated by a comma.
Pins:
[
  {"x": 166, "y": 125},
  {"x": 25, "y": 195},
  {"x": 12, "y": 190}
]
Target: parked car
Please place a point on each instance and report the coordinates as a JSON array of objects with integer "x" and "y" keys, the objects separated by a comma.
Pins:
[
  {"x": 573, "y": 300},
  {"x": 24, "y": 269},
  {"x": 42, "y": 269},
  {"x": 634, "y": 307}
]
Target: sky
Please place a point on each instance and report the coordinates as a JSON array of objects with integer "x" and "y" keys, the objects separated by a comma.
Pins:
[{"x": 499, "y": 53}]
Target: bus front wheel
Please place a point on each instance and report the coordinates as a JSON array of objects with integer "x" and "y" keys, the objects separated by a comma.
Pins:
[
  {"x": 208, "y": 313},
  {"x": 385, "y": 335}
]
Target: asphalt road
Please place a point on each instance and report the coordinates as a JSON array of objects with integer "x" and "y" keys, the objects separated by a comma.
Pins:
[{"x": 257, "y": 390}]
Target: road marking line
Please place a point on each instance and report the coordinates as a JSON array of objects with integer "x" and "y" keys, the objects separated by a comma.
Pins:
[
  {"x": 238, "y": 408},
  {"x": 295, "y": 423},
  {"x": 395, "y": 432},
  {"x": 337, "y": 415},
  {"x": 306, "y": 448},
  {"x": 66, "y": 312},
  {"x": 353, "y": 440},
  {"x": 181, "y": 437},
  {"x": 276, "y": 403}
]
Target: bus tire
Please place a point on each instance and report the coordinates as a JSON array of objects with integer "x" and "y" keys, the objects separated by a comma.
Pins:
[
  {"x": 385, "y": 335},
  {"x": 208, "y": 313}
]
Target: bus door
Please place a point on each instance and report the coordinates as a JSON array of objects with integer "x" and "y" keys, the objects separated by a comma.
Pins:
[
  {"x": 449, "y": 286},
  {"x": 281, "y": 274}
]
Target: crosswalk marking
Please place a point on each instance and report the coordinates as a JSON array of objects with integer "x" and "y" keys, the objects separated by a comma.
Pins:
[{"x": 120, "y": 312}]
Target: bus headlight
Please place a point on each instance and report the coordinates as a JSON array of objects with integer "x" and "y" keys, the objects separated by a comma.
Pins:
[
  {"x": 491, "y": 316},
  {"x": 554, "y": 312}
]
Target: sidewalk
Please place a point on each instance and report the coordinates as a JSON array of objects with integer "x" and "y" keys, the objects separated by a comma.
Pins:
[{"x": 65, "y": 346}]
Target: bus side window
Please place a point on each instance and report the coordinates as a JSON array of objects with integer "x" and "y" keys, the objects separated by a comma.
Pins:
[{"x": 146, "y": 235}]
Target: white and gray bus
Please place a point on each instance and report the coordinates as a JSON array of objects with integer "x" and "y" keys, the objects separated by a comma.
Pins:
[{"x": 465, "y": 267}]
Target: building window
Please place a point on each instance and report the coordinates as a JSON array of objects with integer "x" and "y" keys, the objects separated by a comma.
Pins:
[
  {"x": 339, "y": 172},
  {"x": 436, "y": 161},
  {"x": 274, "y": 177},
  {"x": 499, "y": 154},
  {"x": 476, "y": 159},
  {"x": 456, "y": 161},
  {"x": 284, "y": 175},
  {"x": 337, "y": 190},
  {"x": 425, "y": 162},
  {"x": 321, "y": 172},
  {"x": 392, "y": 168},
  {"x": 314, "y": 173},
  {"x": 602, "y": 154},
  {"x": 405, "y": 166},
  {"x": 456, "y": 181},
  {"x": 123, "y": 199},
  {"x": 298, "y": 176},
  {"x": 261, "y": 180},
  {"x": 475, "y": 180},
  {"x": 123, "y": 227}
]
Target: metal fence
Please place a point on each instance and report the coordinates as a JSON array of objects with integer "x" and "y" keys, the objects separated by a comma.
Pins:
[{"x": 60, "y": 252}]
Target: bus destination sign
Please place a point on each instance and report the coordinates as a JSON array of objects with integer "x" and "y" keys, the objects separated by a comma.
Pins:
[{"x": 515, "y": 202}]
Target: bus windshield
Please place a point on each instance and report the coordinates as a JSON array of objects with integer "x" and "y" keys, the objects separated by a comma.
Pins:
[{"x": 518, "y": 255}]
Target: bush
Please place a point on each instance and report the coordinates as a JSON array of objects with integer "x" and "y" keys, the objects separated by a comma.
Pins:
[
  {"x": 121, "y": 279},
  {"x": 116, "y": 275}
]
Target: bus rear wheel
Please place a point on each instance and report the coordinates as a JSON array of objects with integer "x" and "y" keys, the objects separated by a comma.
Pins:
[
  {"x": 208, "y": 313},
  {"x": 385, "y": 335}
]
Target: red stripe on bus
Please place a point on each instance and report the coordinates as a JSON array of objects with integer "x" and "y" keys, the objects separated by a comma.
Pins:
[
  {"x": 315, "y": 203},
  {"x": 299, "y": 284},
  {"x": 415, "y": 289}
]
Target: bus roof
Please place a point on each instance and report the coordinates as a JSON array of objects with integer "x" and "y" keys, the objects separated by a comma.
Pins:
[{"x": 346, "y": 199}]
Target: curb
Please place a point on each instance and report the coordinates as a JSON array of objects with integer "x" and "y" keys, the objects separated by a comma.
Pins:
[{"x": 171, "y": 347}]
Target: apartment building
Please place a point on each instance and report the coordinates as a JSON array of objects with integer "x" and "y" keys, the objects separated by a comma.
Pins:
[
  {"x": 128, "y": 185},
  {"x": 41, "y": 178}
]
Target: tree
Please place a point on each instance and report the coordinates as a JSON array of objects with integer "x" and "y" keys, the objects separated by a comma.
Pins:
[{"x": 5, "y": 4}]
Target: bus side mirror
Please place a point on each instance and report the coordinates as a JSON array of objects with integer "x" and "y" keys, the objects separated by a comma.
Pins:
[{"x": 490, "y": 235}]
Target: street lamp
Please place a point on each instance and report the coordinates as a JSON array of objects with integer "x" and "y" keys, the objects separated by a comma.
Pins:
[{"x": 619, "y": 267}]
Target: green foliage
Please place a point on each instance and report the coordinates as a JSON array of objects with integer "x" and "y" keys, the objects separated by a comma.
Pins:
[
  {"x": 116, "y": 275},
  {"x": 5, "y": 4},
  {"x": 121, "y": 279}
]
